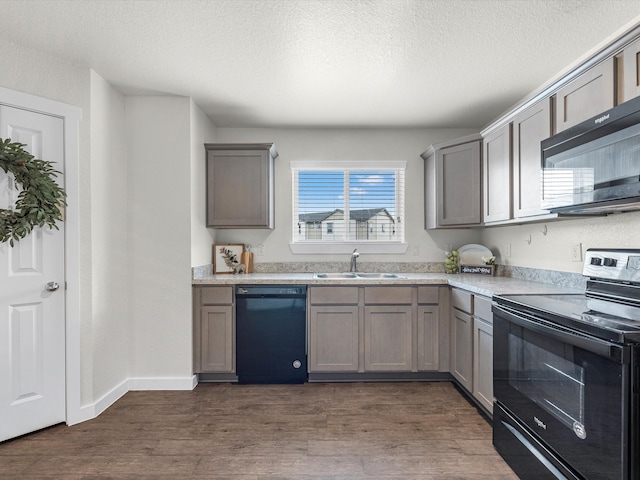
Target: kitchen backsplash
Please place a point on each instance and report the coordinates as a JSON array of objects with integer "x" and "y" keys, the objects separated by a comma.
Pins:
[{"x": 564, "y": 279}]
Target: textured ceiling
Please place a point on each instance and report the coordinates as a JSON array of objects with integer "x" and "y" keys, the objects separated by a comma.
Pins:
[{"x": 325, "y": 63}]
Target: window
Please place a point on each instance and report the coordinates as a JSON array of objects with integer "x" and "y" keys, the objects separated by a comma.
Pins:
[{"x": 348, "y": 203}]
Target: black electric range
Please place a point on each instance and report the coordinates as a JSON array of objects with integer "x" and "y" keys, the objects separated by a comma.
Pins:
[{"x": 567, "y": 375}]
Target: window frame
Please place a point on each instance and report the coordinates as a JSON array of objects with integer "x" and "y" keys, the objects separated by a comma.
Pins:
[{"x": 339, "y": 247}]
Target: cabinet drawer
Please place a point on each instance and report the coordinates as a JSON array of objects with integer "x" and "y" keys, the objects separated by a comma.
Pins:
[
  {"x": 462, "y": 300},
  {"x": 482, "y": 308},
  {"x": 428, "y": 294},
  {"x": 333, "y": 295},
  {"x": 388, "y": 295},
  {"x": 217, "y": 296}
]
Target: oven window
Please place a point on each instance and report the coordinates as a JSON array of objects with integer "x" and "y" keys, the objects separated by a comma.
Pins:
[
  {"x": 552, "y": 381},
  {"x": 571, "y": 398}
]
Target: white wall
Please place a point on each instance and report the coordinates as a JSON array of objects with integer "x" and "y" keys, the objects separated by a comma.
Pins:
[
  {"x": 145, "y": 185},
  {"x": 59, "y": 79},
  {"x": 202, "y": 131},
  {"x": 553, "y": 250},
  {"x": 111, "y": 330},
  {"x": 347, "y": 144},
  {"x": 159, "y": 235}
]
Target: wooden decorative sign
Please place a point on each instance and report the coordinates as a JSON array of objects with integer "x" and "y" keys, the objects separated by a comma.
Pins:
[{"x": 478, "y": 269}]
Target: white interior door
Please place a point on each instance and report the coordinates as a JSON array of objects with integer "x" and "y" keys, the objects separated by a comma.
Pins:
[{"x": 32, "y": 318}]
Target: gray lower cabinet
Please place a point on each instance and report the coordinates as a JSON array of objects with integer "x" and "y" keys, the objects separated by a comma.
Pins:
[
  {"x": 472, "y": 345},
  {"x": 334, "y": 336},
  {"x": 483, "y": 352},
  {"x": 388, "y": 338},
  {"x": 388, "y": 329},
  {"x": 428, "y": 325},
  {"x": 462, "y": 337},
  {"x": 240, "y": 185},
  {"x": 375, "y": 329},
  {"x": 214, "y": 330}
]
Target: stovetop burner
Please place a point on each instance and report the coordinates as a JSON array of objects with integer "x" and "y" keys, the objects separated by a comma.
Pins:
[
  {"x": 579, "y": 312},
  {"x": 610, "y": 307}
]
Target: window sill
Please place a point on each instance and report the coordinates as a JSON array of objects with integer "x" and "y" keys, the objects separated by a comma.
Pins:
[{"x": 314, "y": 248}]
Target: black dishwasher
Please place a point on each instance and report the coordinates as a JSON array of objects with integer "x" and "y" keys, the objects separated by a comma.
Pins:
[{"x": 271, "y": 326}]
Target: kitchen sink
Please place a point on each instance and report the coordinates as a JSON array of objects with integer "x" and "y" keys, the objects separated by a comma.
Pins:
[
  {"x": 334, "y": 275},
  {"x": 356, "y": 275},
  {"x": 379, "y": 275}
]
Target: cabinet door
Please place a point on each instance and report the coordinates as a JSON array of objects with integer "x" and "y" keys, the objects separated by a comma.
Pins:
[
  {"x": 216, "y": 339},
  {"x": 630, "y": 71},
  {"x": 588, "y": 95},
  {"x": 529, "y": 128},
  {"x": 496, "y": 165},
  {"x": 458, "y": 177},
  {"x": 333, "y": 339},
  {"x": 388, "y": 338},
  {"x": 240, "y": 189},
  {"x": 483, "y": 363},
  {"x": 428, "y": 336},
  {"x": 462, "y": 344}
]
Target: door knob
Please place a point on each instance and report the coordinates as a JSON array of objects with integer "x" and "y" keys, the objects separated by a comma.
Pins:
[{"x": 52, "y": 286}]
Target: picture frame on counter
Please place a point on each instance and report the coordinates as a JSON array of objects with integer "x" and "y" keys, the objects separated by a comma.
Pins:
[{"x": 227, "y": 257}]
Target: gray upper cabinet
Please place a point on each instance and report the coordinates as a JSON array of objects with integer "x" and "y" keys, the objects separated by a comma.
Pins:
[
  {"x": 453, "y": 193},
  {"x": 591, "y": 93},
  {"x": 240, "y": 185},
  {"x": 630, "y": 72},
  {"x": 496, "y": 166},
  {"x": 530, "y": 127}
]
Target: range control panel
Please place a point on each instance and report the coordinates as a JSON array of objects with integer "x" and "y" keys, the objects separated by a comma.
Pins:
[{"x": 612, "y": 264}]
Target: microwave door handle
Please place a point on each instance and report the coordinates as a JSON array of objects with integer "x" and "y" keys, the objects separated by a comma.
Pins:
[{"x": 612, "y": 351}]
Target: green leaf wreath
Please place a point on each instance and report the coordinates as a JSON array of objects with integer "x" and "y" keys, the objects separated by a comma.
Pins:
[{"x": 41, "y": 199}]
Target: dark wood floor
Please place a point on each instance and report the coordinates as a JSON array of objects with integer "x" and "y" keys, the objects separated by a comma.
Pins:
[{"x": 354, "y": 431}]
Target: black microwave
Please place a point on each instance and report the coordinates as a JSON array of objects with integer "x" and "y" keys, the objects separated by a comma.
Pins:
[{"x": 594, "y": 167}]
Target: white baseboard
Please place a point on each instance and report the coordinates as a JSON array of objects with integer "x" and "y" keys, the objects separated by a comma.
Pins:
[
  {"x": 111, "y": 397},
  {"x": 179, "y": 383},
  {"x": 88, "y": 412}
]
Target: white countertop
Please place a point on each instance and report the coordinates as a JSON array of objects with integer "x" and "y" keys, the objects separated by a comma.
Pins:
[{"x": 480, "y": 284}]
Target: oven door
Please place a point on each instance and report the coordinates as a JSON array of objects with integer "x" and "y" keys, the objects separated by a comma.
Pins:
[{"x": 568, "y": 389}]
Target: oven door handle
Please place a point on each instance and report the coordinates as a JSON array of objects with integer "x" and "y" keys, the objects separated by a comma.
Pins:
[{"x": 612, "y": 351}]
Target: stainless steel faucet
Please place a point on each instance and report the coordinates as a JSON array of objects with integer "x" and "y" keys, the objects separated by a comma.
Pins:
[{"x": 352, "y": 266}]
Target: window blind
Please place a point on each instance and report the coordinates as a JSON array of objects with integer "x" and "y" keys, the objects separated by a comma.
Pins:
[{"x": 348, "y": 202}]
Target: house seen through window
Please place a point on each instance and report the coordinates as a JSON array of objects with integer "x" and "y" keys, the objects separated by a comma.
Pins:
[{"x": 348, "y": 202}]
